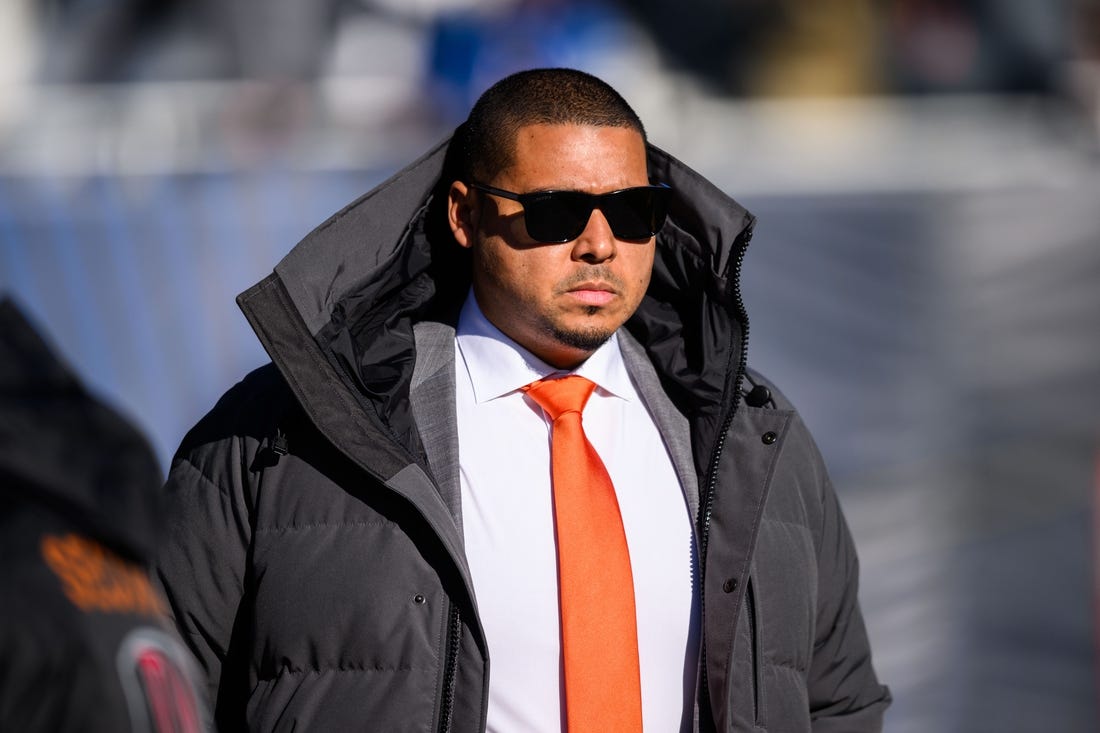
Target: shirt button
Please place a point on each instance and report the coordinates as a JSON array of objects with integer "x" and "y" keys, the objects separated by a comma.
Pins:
[
  {"x": 768, "y": 438},
  {"x": 730, "y": 585}
]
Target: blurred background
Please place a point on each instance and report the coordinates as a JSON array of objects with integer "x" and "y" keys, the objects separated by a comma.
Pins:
[{"x": 924, "y": 282}]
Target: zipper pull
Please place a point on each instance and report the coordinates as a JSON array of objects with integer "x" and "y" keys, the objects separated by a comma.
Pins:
[{"x": 278, "y": 443}]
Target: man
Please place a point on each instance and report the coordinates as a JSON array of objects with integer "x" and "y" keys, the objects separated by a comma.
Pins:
[
  {"x": 85, "y": 640},
  {"x": 403, "y": 524}
]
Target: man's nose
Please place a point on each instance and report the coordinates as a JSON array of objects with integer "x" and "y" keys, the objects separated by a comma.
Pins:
[{"x": 597, "y": 242}]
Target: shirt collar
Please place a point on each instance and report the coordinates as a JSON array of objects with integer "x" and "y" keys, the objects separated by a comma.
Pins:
[{"x": 497, "y": 365}]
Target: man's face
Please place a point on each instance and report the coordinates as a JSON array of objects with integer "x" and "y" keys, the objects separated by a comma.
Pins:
[{"x": 559, "y": 301}]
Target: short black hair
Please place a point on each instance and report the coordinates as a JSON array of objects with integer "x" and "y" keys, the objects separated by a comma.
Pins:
[{"x": 536, "y": 96}]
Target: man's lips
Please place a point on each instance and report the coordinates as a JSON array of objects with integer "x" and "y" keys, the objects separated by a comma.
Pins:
[{"x": 592, "y": 293}]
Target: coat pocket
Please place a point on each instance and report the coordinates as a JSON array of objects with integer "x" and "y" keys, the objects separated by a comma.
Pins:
[
  {"x": 754, "y": 648},
  {"x": 748, "y": 673}
]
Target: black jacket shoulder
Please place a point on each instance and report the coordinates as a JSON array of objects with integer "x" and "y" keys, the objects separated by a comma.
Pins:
[{"x": 252, "y": 408}]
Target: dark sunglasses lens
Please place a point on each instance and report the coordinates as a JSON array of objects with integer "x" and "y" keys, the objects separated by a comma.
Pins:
[
  {"x": 556, "y": 216},
  {"x": 636, "y": 213},
  {"x": 561, "y": 216}
]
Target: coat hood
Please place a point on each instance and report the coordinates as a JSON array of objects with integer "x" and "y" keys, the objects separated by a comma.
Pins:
[
  {"x": 63, "y": 449},
  {"x": 339, "y": 307}
]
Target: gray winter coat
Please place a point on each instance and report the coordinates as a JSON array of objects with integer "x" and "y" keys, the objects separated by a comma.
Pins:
[{"x": 315, "y": 558}]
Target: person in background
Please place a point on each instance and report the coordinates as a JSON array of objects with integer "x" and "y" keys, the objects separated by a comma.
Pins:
[
  {"x": 508, "y": 469},
  {"x": 85, "y": 642}
]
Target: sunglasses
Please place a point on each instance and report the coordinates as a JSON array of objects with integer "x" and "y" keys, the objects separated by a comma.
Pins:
[{"x": 555, "y": 217}]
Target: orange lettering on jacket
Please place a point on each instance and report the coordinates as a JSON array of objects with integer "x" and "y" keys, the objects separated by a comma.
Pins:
[{"x": 96, "y": 579}]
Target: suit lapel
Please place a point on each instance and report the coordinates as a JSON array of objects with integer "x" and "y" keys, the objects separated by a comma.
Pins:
[
  {"x": 432, "y": 395},
  {"x": 672, "y": 425}
]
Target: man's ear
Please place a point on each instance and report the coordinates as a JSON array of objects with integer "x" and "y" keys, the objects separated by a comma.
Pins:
[{"x": 462, "y": 213}]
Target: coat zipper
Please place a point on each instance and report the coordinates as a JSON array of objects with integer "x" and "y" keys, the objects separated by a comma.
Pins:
[
  {"x": 450, "y": 668},
  {"x": 706, "y": 506}
]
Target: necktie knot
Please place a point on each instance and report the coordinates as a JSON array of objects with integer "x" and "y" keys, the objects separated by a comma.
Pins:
[{"x": 559, "y": 396}]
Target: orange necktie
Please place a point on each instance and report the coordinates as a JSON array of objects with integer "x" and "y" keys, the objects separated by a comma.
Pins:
[{"x": 599, "y": 631}]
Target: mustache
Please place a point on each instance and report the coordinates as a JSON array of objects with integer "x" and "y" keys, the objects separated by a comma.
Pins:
[{"x": 597, "y": 273}]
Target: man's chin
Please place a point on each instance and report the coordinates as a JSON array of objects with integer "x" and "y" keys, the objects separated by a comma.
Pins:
[{"x": 586, "y": 339}]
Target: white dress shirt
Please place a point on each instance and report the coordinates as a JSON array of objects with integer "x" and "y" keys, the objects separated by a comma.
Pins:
[{"x": 508, "y": 525}]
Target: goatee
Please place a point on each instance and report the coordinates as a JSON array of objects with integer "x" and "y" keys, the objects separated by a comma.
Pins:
[{"x": 588, "y": 339}]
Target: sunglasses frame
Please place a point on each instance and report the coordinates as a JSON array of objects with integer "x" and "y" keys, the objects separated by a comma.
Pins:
[{"x": 595, "y": 198}]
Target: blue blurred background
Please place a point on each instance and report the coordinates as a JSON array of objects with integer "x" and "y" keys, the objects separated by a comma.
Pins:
[{"x": 924, "y": 283}]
